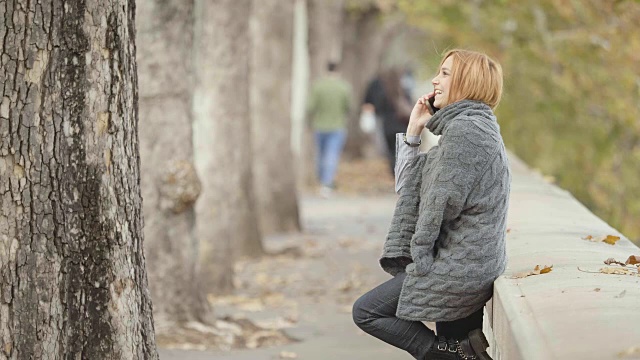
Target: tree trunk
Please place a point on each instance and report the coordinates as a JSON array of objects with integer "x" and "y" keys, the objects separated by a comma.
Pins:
[
  {"x": 170, "y": 185},
  {"x": 299, "y": 85},
  {"x": 72, "y": 271},
  {"x": 325, "y": 34},
  {"x": 271, "y": 71},
  {"x": 226, "y": 220}
]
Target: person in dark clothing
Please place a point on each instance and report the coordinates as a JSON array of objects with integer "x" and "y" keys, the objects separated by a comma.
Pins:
[{"x": 392, "y": 105}]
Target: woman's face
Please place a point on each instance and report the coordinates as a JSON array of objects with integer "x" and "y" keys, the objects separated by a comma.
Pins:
[{"x": 442, "y": 83}]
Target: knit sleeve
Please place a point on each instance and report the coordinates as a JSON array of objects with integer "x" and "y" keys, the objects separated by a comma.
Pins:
[
  {"x": 396, "y": 253},
  {"x": 464, "y": 152}
]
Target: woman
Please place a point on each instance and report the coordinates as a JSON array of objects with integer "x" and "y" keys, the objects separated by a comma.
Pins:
[
  {"x": 445, "y": 245},
  {"x": 391, "y": 103}
]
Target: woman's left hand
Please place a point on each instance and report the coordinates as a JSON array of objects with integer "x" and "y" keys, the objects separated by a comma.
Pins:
[{"x": 420, "y": 115}]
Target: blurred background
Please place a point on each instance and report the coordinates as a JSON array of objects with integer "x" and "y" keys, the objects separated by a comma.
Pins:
[{"x": 236, "y": 220}]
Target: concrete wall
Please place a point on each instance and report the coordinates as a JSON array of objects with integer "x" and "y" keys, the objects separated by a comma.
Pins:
[{"x": 567, "y": 313}]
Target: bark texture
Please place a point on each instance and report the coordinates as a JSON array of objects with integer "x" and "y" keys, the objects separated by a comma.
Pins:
[
  {"x": 271, "y": 72},
  {"x": 72, "y": 270},
  {"x": 299, "y": 85},
  {"x": 227, "y": 223},
  {"x": 325, "y": 34},
  {"x": 170, "y": 185}
]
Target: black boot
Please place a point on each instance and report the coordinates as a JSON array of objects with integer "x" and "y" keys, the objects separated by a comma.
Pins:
[{"x": 473, "y": 347}]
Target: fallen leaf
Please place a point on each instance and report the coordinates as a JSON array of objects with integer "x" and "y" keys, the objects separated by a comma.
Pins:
[
  {"x": 632, "y": 351},
  {"x": 536, "y": 271},
  {"x": 611, "y": 239},
  {"x": 546, "y": 269},
  {"x": 288, "y": 355},
  {"x": 616, "y": 271},
  {"x": 610, "y": 261},
  {"x": 632, "y": 260}
]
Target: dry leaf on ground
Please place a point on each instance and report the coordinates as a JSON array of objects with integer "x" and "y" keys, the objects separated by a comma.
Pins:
[
  {"x": 610, "y": 261},
  {"x": 633, "y": 351},
  {"x": 288, "y": 355},
  {"x": 633, "y": 260},
  {"x": 616, "y": 271},
  {"x": 536, "y": 271},
  {"x": 609, "y": 239}
]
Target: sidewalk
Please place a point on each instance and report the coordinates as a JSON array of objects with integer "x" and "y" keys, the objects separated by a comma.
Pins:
[{"x": 340, "y": 245}]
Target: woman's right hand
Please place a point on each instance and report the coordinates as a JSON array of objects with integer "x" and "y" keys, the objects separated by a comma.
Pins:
[{"x": 420, "y": 115}]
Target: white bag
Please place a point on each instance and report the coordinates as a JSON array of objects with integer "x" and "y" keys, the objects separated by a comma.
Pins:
[{"x": 367, "y": 122}]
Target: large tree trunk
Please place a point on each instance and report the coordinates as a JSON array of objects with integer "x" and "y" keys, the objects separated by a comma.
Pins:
[
  {"x": 226, "y": 220},
  {"x": 170, "y": 185},
  {"x": 72, "y": 271},
  {"x": 271, "y": 71}
]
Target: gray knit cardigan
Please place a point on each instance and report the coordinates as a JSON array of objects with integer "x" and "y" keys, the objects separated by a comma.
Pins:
[{"x": 449, "y": 225}]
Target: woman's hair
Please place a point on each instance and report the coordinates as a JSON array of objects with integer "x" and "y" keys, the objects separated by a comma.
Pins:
[
  {"x": 474, "y": 76},
  {"x": 390, "y": 79}
]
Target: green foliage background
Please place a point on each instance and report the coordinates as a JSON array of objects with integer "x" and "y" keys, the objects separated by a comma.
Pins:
[{"x": 572, "y": 87}]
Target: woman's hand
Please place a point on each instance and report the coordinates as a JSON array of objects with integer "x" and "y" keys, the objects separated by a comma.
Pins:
[{"x": 420, "y": 114}]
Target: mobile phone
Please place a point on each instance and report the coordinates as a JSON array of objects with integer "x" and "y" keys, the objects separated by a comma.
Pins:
[{"x": 433, "y": 108}]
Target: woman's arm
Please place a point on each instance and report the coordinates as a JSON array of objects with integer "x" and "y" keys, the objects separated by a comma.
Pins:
[
  {"x": 420, "y": 114},
  {"x": 404, "y": 155}
]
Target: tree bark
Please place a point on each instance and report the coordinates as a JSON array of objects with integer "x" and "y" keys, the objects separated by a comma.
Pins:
[
  {"x": 72, "y": 271},
  {"x": 300, "y": 85},
  {"x": 226, "y": 220},
  {"x": 170, "y": 185},
  {"x": 271, "y": 71},
  {"x": 325, "y": 34}
]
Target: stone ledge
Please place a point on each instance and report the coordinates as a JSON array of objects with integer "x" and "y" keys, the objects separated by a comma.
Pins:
[{"x": 565, "y": 314}]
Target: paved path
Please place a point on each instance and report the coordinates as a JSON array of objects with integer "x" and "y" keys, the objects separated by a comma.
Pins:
[{"x": 351, "y": 230}]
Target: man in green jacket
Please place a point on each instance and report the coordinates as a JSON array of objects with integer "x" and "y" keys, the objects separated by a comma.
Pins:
[{"x": 328, "y": 110}]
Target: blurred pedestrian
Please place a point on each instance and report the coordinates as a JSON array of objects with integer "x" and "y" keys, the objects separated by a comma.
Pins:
[
  {"x": 328, "y": 109},
  {"x": 389, "y": 99},
  {"x": 446, "y": 243}
]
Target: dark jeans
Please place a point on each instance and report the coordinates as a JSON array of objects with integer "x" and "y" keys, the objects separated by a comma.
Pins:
[{"x": 375, "y": 313}]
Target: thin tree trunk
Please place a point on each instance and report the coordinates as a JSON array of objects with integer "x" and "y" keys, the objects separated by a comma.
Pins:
[
  {"x": 170, "y": 185},
  {"x": 271, "y": 71},
  {"x": 226, "y": 220},
  {"x": 72, "y": 271},
  {"x": 299, "y": 85}
]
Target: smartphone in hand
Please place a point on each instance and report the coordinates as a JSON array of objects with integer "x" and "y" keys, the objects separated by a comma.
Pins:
[{"x": 432, "y": 108}]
